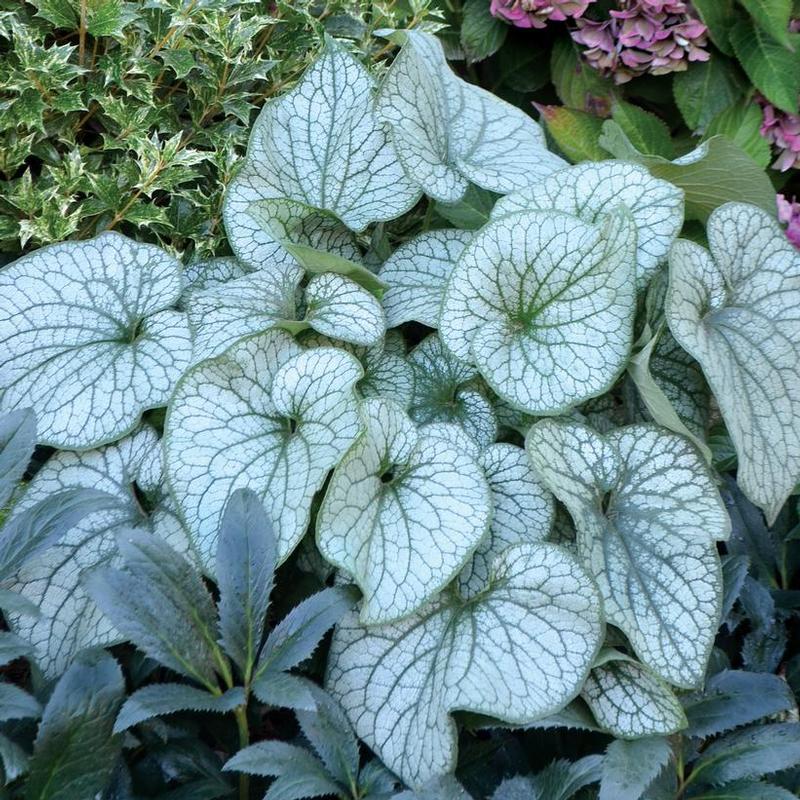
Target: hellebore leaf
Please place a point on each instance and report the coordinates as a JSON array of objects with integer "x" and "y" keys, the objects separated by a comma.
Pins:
[
  {"x": 89, "y": 339},
  {"x": 402, "y": 513},
  {"x": 647, "y": 514},
  {"x": 590, "y": 190},
  {"x": 448, "y": 132},
  {"x": 265, "y": 415},
  {"x": 519, "y": 651},
  {"x": 543, "y": 303},
  {"x": 17, "y": 440},
  {"x": 737, "y": 311}
]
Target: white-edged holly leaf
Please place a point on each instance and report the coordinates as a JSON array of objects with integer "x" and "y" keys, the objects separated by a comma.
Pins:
[
  {"x": 519, "y": 651},
  {"x": 590, "y": 190},
  {"x": 416, "y": 274},
  {"x": 631, "y": 701},
  {"x": 89, "y": 339},
  {"x": 448, "y": 132},
  {"x": 629, "y": 767},
  {"x": 737, "y": 311},
  {"x": 340, "y": 308},
  {"x": 750, "y": 753},
  {"x": 543, "y": 303},
  {"x": 732, "y": 698},
  {"x": 225, "y": 312},
  {"x": 268, "y": 416},
  {"x": 75, "y": 752},
  {"x": 647, "y": 514},
  {"x": 447, "y": 389},
  {"x": 168, "y": 698},
  {"x": 523, "y": 511},
  {"x": 246, "y": 557},
  {"x": 320, "y": 146},
  {"x": 17, "y": 440},
  {"x": 402, "y": 513},
  {"x": 69, "y": 621},
  {"x": 387, "y": 372}
]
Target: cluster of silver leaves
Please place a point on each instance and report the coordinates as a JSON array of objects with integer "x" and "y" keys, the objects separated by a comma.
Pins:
[{"x": 285, "y": 369}]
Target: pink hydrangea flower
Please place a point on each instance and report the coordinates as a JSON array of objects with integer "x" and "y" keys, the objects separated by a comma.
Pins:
[
  {"x": 789, "y": 214},
  {"x": 537, "y": 13},
  {"x": 643, "y": 36},
  {"x": 782, "y": 131}
]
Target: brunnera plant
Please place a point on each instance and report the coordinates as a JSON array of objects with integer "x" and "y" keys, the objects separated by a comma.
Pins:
[{"x": 408, "y": 417}]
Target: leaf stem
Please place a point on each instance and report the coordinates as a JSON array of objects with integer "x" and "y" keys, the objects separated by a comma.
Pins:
[
  {"x": 82, "y": 33},
  {"x": 244, "y": 740}
]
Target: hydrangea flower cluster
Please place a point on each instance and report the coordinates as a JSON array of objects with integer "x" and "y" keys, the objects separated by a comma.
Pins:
[
  {"x": 782, "y": 131},
  {"x": 643, "y": 36},
  {"x": 789, "y": 214},
  {"x": 537, "y": 13}
]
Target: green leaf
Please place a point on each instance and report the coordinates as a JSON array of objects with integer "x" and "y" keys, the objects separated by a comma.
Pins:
[
  {"x": 60, "y": 12},
  {"x": 346, "y": 167},
  {"x": 750, "y": 753},
  {"x": 734, "y": 311},
  {"x": 471, "y": 211},
  {"x": 75, "y": 751},
  {"x": 13, "y": 758},
  {"x": 732, "y": 698},
  {"x": 578, "y": 86},
  {"x": 81, "y": 325},
  {"x": 169, "y": 698},
  {"x": 298, "y": 634},
  {"x": 772, "y": 16},
  {"x": 16, "y": 703},
  {"x": 482, "y": 34},
  {"x": 388, "y": 493},
  {"x": 646, "y": 131},
  {"x": 741, "y": 123},
  {"x": 246, "y": 558},
  {"x": 543, "y": 304},
  {"x": 448, "y": 132},
  {"x": 647, "y": 514},
  {"x": 716, "y": 172},
  {"x": 632, "y": 702},
  {"x": 705, "y": 89},
  {"x": 13, "y": 647},
  {"x": 105, "y": 17},
  {"x": 745, "y": 790},
  {"x": 576, "y": 133},
  {"x": 562, "y": 779},
  {"x": 718, "y": 16},
  {"x": 270, "y": 417},
  {"x": 416, "y": 273},
  {"x": 447, "y": 389},
  {"x": 629, "y": 767},
  {"x": 320, "y": 262},
  {"x": 773, "y": 69},
  {"x": 531, "y": 636},
  {"x": 159, "y": 602},
  {"x": 17, "y": 440},
  {"x": 592, "y": 191}
]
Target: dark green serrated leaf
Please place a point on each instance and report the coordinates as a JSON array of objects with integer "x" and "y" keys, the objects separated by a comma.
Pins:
[
  {"x": 773, "y": 69},
  {"x": 771, "y": 16},
  {"x": 562, "y": 779},
  {"x": 75, "y": 750},
  {"x": 705, "y": 89},
  {"x": 15, "y": 703},
  {"x": 168, "y": 698},
  {"x": 741, "y": 123},
  {"x": 159, "y": 603},
  {"x": 718, "y": 16},
  {"x": 246, "y": 558},
  {"x": 733, "y": 698},
  {"x": 750, "y": 753},
  {"x": 648, "y": 134},
  {"x": 12, "y": 647},
  {"x": 629, "y": 767},
  {"x": 576, "y": 133},
  {"x": 578, "y": 85},
  {"x": 743, "y": 790},
  {"x": 482, "y": 34}
]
